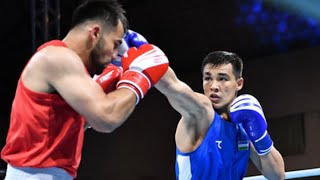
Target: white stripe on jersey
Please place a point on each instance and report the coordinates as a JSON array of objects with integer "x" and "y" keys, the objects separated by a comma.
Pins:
[{"x": 184, "y": 163}]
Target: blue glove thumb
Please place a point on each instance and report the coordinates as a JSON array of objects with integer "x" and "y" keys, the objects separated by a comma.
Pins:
[
  {"x": 134, "y": 39},
  {"x": 130, "y": 39}
]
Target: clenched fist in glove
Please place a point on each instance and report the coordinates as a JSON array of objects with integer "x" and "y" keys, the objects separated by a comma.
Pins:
[
  {"x": 109, "y": 77},
  {"x": 247, "y": 110},
  {"x": 143, "y": 67}
]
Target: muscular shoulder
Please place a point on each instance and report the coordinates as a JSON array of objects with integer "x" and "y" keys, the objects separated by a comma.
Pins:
[
  {"x": 49, "y": 64},
  {"x": 59, "y": 57},
  {"x": 191, "y": 130}
]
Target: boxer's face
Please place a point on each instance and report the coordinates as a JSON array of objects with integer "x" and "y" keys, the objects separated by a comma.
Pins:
[
  {"x": 220, "y": 85},
  {"x": 106, "y": 48}
]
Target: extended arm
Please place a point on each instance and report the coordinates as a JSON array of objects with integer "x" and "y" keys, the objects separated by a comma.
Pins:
[
  {"x": 196, "y": 110},
  {"x": 181, "y": 97}
]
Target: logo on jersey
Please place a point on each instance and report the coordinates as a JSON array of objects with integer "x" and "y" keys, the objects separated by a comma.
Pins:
[{"x": 219, "y": 144}]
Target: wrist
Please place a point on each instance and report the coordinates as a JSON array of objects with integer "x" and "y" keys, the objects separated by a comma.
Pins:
[
  {"x": 133, "y": 89},
  {"x": 263, "y": 145},
  {"x": 136, "y": 82}
]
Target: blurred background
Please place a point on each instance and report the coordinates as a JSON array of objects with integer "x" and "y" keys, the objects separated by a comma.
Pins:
[{"x": 277, "y": 40}]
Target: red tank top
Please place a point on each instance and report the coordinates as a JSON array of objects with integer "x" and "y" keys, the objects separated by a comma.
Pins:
[{"x": 44, "y": 130}]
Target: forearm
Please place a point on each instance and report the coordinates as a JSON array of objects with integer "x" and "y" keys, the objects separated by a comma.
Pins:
[
  {"x": 124, "y": 102},
  {"x": 272, "y": 165},
  {"x": 181, "y": 97},
  {"x": 166, "y": 85},
  {"x": 109, "y": 116}
]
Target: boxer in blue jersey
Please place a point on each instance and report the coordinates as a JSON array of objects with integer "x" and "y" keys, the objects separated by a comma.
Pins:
[{"x": 218, "y": 132}]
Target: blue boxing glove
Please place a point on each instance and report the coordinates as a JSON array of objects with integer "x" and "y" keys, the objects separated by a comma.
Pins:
[
  {"x": 130, "y": 39},
  {"x": 247, "y": 110}
]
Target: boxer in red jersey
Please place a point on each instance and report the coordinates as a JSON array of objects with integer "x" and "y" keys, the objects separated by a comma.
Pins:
[{"x": 56, "y": 94}]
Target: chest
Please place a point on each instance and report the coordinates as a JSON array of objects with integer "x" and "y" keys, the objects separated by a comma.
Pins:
[{"x": 232, "y": 143}]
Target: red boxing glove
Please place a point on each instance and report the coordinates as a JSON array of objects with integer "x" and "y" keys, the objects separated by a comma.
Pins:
[
  {"x": 143, "y": 68},
  {"x": 109, "y": 77}
]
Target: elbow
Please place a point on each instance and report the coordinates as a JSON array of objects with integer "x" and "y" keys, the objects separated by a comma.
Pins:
[
  {"x": 109, "y": 127},
  {"x": 106, "y": 119},
  {"x": 281, "y": 175},
  {"x": 104, "y": 128},
  {"x": 278, "y": 174},
  {"x": 106, "y": 125}
]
